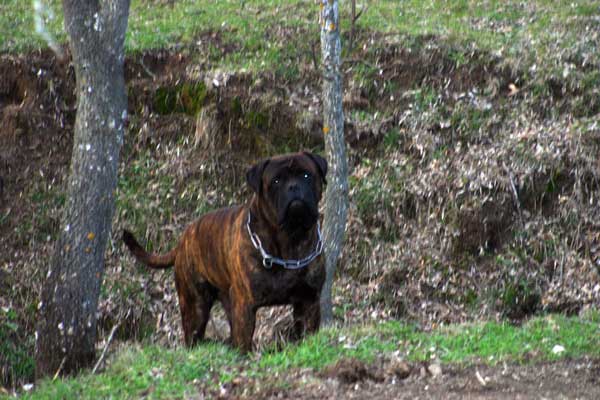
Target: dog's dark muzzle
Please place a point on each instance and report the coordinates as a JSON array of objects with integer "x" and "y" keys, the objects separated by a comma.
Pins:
[{"x": 298, "y": 210}]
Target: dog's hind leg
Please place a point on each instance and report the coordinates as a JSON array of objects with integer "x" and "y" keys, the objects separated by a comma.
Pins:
[{"x": 195, "y": 306}]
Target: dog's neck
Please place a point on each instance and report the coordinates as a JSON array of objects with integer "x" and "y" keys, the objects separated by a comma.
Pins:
[{"x": 277, "y": 241}]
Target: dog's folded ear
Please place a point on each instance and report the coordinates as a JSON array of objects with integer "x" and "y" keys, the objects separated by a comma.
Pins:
[
  {"x": 254, "y": 176},
  {"x": 320, "y": 162}
]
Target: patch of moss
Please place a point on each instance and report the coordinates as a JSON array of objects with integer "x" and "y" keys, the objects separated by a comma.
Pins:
[
  {"x": 470, "y": 298},
  {"x": 256, "y": 119},
  {"x": 235, "y": 107},
  {"x": 188, "y": 98}
]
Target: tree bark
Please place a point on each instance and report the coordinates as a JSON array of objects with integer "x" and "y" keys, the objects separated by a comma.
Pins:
[
  {"x": 66, "y": 331},
  {"x": 336, "y": 194}
]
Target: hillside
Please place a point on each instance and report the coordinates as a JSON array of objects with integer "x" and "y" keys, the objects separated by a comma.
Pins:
[{"x": 473, "y": 131}]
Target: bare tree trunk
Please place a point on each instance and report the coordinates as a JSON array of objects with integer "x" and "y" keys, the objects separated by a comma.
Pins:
[
  {"x": 336, "y": 194},
  {"x": 66, "y": 331}
]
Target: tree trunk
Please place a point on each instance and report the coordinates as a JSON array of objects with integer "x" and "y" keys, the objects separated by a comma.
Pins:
[
  {"x": 336, "y": 194},
  {"x": 66, "y": 331}
]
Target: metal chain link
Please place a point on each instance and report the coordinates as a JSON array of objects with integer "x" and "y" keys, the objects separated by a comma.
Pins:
[{"x": 269, "y": 260}]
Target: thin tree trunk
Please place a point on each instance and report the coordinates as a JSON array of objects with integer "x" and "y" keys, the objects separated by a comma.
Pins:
[
  {"x": 66, "y": 331},
  {"x": 336, "y": 194}
]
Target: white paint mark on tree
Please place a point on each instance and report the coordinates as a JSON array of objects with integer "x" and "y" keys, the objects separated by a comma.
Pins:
[{"x": 97, "y": 23}]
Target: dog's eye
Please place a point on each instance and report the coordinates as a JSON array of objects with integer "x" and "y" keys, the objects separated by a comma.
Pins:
[
  {"x": 276, "y": 181},
  {"x": 306, "y": 176}
]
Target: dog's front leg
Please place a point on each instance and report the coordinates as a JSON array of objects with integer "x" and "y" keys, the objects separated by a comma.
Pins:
[
  {"x": 243, "y": 322},
  {"x": 307, "y": 317}
]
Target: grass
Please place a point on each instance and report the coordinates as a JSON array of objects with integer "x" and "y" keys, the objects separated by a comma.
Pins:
[
  {"x": 165, "y": 373},
  {"x": 250, "y": 28},
  {"x": 13, "y": 352},
  {"x": 154, "y": 25}
]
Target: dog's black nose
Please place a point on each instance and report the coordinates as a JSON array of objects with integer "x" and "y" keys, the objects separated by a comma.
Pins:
[{"x": 293, "y": 188}]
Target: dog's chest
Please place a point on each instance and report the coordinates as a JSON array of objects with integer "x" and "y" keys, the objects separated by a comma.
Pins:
[{"x": 280, "y": 286}]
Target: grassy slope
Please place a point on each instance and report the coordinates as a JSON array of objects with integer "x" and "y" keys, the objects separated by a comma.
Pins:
[
  {"x": 503, "y": 28},
  {"x": 506, "y": 27},
  {"x": 162, "y": 373}
]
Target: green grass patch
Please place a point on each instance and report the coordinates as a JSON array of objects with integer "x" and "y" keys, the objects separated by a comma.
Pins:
[
  {"x": 188, "y": 98},
  {"x": 16, "y": 362},
  {"x": 241, "y": 34},
  {"x": 17, "y": 27},
  {"x": 145, "y": 371},
  {"x": 258, "y": 34},
  {"x": 164, "y": 373}
]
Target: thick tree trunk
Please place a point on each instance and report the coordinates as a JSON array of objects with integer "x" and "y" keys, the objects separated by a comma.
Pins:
[
  {"x": 336, "y": 194},
  {"x": 66, "y": 331}
]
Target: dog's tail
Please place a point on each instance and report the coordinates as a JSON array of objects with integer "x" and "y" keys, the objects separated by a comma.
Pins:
[{"x": 158, "y": 261}]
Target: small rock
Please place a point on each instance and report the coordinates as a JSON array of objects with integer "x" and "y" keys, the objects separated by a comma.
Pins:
[
  {"x": 557, "y": 349},
  {"x": 480, "y": 378},
  {"x": 435, "y": 370}
]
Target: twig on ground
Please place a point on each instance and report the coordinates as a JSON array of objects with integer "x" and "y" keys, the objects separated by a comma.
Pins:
[
  {"x": 353, "y": 19},
  {"x": 62, "y": 363},
  {"x": 313, "y": 54},
  {"x": 480, "y": 378},
  {"x": 146, "y": 69},
  {"x": 514, "y": 192},
  {"x": 108, "y": 341}
]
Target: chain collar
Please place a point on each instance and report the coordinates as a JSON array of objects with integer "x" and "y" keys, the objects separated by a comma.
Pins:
[{"x": 269, "y": 260}]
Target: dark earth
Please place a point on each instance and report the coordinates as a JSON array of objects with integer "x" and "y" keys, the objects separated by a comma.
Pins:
[
  {"x": 37, "y": 111},
  {"x": 352, "y": 379}
]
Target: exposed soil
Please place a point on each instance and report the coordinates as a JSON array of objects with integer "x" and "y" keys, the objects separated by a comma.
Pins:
[
  {"x": 394, "y": 379},
  {"x": 468, "y": 235},
  {"x": 36, "y": 121}
]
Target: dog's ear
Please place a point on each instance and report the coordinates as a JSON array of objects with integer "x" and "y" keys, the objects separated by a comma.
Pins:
[
  {"x": 320, "y": 162},
  {"x": 254, "y": 176}
]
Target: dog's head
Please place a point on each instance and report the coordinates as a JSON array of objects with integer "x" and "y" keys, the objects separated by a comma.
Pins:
[{"x": 290, "y": 186}]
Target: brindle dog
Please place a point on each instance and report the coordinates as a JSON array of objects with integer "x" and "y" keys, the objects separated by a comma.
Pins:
[{"x": 265, "y": 252}]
